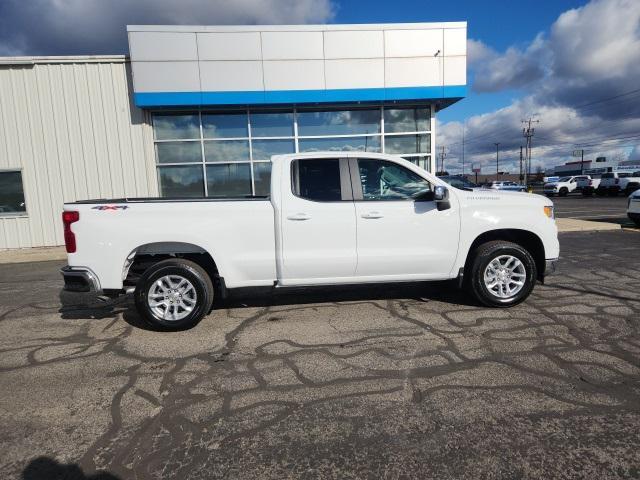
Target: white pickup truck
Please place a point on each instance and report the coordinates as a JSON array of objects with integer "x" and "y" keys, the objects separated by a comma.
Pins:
[
  {"x": 331, "y": 218},
  {"x": 564, "y": 186},
  {"x": 614, "y": 183}
]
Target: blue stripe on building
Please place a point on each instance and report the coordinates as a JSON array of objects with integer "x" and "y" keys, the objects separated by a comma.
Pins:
[{"x": 275, "y": 97}]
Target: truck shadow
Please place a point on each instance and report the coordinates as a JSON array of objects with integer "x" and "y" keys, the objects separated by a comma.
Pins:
[
  {"x": 89, "y": 308},
  {"x": 45, "y": 468},
  {"x": 266, "y": 297}
]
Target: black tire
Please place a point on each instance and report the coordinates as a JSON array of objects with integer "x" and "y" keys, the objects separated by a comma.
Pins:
[
  {"x": 637, "y": 222},
  {"x": 587, "y": 192},
  {"x": 613, "y": 192},
  {"x": 601, "y": 192},
  {"x": 186, "y": 269},
  {"x": 564, "y": 191},
  {"x": 486, "y": 253}
]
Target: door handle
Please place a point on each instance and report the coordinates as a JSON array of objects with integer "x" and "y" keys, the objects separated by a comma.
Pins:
[
  {"x": 299, "y": 216},
  {"x": 372, "y": 215}
]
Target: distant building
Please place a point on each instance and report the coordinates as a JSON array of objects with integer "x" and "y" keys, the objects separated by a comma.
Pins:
[{"x": 590, "y": 167}]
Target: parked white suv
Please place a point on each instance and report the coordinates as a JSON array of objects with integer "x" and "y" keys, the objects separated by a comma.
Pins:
[
  {"x": 332, "y": 218},
  {"x": 564, "y": 185},
  {"x": 633, "y": 207},
  {"x": 613, "y": 183}
]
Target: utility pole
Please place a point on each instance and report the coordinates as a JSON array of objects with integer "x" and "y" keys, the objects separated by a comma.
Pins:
[
  {"x": 497, "y": 160},
  {"x": 521, "y": 176},
  {"x": 463, "y": 148},
  {"x": 442, "y": 155},
  {"x": 528, "y": 132}
]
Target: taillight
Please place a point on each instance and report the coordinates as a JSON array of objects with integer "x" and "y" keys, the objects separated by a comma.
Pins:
[{"x": 69, "y": 237}]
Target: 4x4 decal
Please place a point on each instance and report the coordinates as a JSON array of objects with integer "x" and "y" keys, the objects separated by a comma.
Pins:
[{"x": 110, "y": 207}]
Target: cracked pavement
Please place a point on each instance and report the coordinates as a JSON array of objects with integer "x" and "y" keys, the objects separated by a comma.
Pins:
[{"x": 385, "y": 381}]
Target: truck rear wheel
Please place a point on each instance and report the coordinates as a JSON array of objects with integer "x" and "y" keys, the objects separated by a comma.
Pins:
[
  {"x": 502, "y": 274},
  {"x": 174, "y": 294},
  {"x": 564, "y": 191}
]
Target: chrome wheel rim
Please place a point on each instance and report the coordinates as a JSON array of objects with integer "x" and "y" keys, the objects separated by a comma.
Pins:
[
  {"x": 505, "y": 276},
  {"x": 172, "y": 297}
]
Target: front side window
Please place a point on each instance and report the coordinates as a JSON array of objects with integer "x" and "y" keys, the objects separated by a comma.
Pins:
[
  {"x": 317, "y": 179},
  {"x": 382, "y": 180},
  {"x": 11, "y": 194}
]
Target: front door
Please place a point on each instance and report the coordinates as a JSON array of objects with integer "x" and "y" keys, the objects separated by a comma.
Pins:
[
  {"x": 401, "y": 233},
  {"x": 318, "y": 223}
]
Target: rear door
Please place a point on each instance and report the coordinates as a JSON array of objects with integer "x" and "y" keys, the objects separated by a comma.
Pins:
[
  {"x": 318, "y": 224},
  {"x": 401, "y": 233}
]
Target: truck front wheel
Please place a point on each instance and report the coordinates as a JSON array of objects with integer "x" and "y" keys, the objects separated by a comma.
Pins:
[
  {"x": 174, "y": 294},
  {"x": 502, "y": 274}
]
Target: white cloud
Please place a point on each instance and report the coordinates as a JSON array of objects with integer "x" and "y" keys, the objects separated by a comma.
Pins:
[
  {"x": 591, "y": 53},
  {"x": 65, "y": 27}
]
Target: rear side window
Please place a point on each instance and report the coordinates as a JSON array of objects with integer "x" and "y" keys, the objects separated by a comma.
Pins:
[
  {"x": 607, "y": 175},
  {"x": 317, "y": 179},
  {"x": 624, "y": 175}
]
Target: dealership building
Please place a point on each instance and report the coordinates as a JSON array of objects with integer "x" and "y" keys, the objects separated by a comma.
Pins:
[{"x": 198, "y": 111}]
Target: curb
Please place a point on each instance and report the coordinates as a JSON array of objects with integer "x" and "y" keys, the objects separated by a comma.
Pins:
[{"x": 575, "y": 225}]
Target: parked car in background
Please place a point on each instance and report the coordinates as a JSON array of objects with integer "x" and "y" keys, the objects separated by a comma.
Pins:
[
  {"x": 550, "y": 179},
  {"x": 633, "y": 207},
  {"x": 510, "y": 186},
  {"x": 614, "y": 183},
  {"x": 564, "y": 186},
  {"x": 331, "y": 218},
  {"x": 587, "y": 185},
  {"x": 458, "y": 181}
]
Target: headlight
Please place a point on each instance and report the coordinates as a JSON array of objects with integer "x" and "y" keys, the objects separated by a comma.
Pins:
[{"x": 548, "y": 211}]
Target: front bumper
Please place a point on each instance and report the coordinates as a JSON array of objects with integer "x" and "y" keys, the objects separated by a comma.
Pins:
[
  {"x": 550, "y": 266},
  {"x": 80, "y": 280}
]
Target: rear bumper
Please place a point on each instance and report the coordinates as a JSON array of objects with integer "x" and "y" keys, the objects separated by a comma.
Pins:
[
  {"x": 550, "y": 266},
  {"x": 633, "y": 215},
  {"x": 80, "y": 280}
]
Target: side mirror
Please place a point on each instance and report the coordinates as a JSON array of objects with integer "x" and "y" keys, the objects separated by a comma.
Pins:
[{"x": 441, "y": 196}]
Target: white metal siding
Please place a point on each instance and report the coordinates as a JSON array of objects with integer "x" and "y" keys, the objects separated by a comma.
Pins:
[{"x": 72, "y": 129}]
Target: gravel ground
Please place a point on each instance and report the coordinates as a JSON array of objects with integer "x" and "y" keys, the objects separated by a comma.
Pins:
[{"x": 401, "y": 381}]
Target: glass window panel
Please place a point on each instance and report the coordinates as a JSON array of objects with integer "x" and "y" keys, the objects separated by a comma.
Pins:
[
  {"x": 272, "y": 124},
  {"x": 383, "y": 180},
  {"x": 348, "y": 144},
  {"x": 262, "y": 178},
  {"x": 225, "y": 125},
  {"x": 317, "y": 179},
  {"x": 344, "y": 122},
  {"x": 229, "y": 180},
  {"x": 423, "y": 161},
  {"x": 178, "y": 152},
  {"x": 226, "y": 151},
  {"x": 11, "y": 194},
  {"x": 407, "y": 143},
  {"x": 407, "y": 120},
  {"x": 176, "y": 127},
  {"x": 178, "y": 181},
  {"x": 263, "y": 149}
]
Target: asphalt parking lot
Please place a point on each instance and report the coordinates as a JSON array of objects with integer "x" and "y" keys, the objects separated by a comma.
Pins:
[
  {"x": 602, "y": 209},
  {"x": 404, "y": 381}
]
